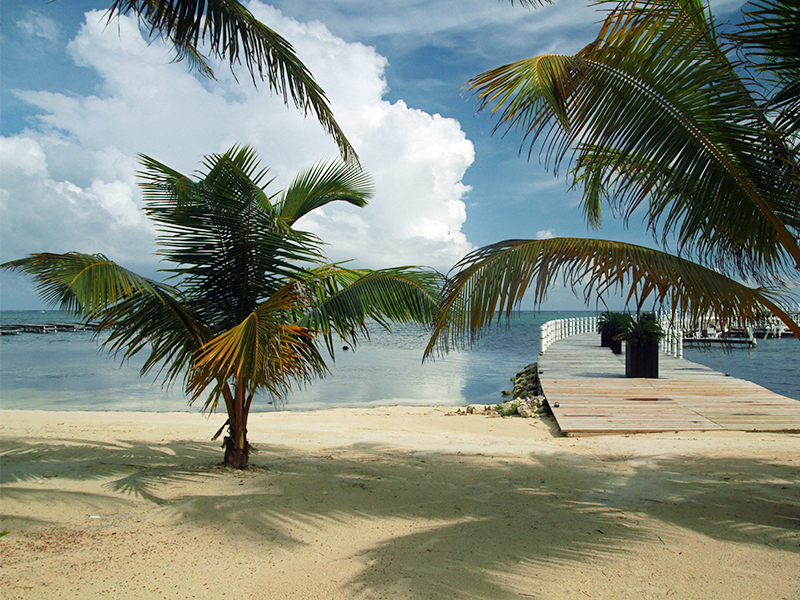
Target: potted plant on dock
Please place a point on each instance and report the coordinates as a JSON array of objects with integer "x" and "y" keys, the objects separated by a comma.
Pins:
[
  {"x": 609, "y": 325},
  {"x": 641, "y": 338}
]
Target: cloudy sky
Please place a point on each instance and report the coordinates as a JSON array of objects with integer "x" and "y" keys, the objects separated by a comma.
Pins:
[{"x": 80, "y": 100}]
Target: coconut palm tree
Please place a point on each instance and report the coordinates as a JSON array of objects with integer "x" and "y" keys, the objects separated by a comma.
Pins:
[
  {"x": 248, "y": 296},
  {"x": 231, "y": 32},
  {"x": 662, "y": 116}
]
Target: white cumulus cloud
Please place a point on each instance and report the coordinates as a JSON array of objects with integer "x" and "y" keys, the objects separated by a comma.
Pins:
[
  {"x": 41, "y": 213},
  {"x": 69, "y": 182},
  {"x": 37, "y": 25}
]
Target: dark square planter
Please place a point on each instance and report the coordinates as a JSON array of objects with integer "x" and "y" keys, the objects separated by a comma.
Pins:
[
  {"x": 641, "y": 359},
  {"x": 607, "y": 341}
]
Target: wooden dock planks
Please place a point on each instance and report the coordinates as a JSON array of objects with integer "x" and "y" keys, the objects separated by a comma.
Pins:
[{"x": 586, "y": 388}]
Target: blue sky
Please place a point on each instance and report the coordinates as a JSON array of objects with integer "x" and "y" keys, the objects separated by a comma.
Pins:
[{"x": 80, "y": 100}]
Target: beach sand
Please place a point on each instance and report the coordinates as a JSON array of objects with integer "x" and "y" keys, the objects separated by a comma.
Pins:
[{"x": 394, "y": 503}]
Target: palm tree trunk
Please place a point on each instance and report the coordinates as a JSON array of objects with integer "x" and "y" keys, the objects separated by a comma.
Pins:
[{"x": 237, "y": 449}]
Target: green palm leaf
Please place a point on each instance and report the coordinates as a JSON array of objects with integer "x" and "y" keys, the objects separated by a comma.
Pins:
[
  {"x": 223, "y": 235},
  {"x": 322, "y": 184},
  {"x": 770, "y": 33},
  {"x": 491, "y": 282},
  {"x": 232, "y": 32},
  {"x": 161, "y": 325},
  {"x": 656, "y": 98},
  {"x": 138, "y": 313},
  {"x": 343, "y": 300},
  {"x": 264, "y": 351},
  {"x": 83, "y": 284}
]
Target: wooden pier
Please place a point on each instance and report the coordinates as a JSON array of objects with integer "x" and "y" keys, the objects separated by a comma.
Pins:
[{"x": 588, "y": 392}]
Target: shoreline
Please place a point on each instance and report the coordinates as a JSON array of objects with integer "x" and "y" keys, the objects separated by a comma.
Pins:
[
  {"x": 91, "y": 380},
  {"x": 391, "y": 502}
]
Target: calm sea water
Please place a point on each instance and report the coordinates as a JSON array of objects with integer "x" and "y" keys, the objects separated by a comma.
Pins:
[{"x": 68, "y": 371}]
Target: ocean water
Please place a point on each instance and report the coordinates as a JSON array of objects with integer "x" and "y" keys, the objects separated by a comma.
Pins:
[
  {"x": 69, "y": 371},
  {"x": 773, "y": 363}
]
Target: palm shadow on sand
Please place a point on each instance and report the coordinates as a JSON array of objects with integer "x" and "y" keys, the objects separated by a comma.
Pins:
[{"x": 479, "y": 515}]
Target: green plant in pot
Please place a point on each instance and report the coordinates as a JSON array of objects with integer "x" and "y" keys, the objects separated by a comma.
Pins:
[
  {"x": 641, "y": 338},
  {"x": 609, "y": 325}
]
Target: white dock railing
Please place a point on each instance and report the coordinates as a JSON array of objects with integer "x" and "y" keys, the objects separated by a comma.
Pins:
[
  {"x": 672, "y": 342},
  {"x": 558, "y": 329}
]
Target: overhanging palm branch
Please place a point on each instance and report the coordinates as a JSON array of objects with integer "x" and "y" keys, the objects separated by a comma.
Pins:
[
  {"x": 770, "y": 32},
  {"x": 491, "y": 282},
  {"x": 595, "y": 171},
  {"x": 656, "y": 84},
  {"x": 232, "y": 32}
]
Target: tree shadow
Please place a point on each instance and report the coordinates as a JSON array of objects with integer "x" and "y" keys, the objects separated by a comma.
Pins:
[
  {"x": 745, "y": 500},
  {"x": 146, "y": 465},
  {"x": 476, "y": 515}
]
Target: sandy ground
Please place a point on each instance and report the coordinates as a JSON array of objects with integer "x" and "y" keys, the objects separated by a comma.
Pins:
[{"x": 396, "y": 503}]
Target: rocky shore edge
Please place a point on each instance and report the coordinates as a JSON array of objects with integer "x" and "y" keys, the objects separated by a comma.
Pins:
[{"x": 526, "y": 398}]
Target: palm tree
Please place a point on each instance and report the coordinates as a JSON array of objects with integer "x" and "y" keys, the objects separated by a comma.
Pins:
[
  {"x": 248, "y": 296},
  {"x": 662, "y": 115},
  {"x": 233, "y": 33}
]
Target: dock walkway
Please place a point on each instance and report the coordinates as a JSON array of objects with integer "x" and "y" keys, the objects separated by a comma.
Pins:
[{"x": 587, "y": 390}]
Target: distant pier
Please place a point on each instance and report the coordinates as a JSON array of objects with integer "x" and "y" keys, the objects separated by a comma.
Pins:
[
  {"x": 17, "y": 328},
  {"x": 720, "y": 340}
]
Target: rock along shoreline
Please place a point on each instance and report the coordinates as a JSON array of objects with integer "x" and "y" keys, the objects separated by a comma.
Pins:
[{"x": 526, "y": 398}]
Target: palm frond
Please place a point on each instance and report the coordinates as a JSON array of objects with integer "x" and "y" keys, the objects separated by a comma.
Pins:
[
  {"x": 343, "y": 300},
  {"x": 770, "y": 33},
  {"x": 264, "y": 350},
  {"x": 222, "y": 236},
  {"x": 83, "y": 284},
  {"x": 598, "y": 171},
  {"x": 658, "y": 99},
  {"x": 139, "y": 314},
  {"x": 321, "y": 184},
  {"x": 162, "y": 325},
  {"x": 492, "y": 281},
  {"x": 185, "y": 51},
  {"x": 530, "y": 91},
  {"x": 233, "y": 33}
]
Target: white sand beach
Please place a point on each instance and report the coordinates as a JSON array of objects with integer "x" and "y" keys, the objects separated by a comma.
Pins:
[{"x": 393, "y": 503}]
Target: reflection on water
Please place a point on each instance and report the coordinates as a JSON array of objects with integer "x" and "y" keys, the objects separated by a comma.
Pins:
[{"x": 68, "y": 371}]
